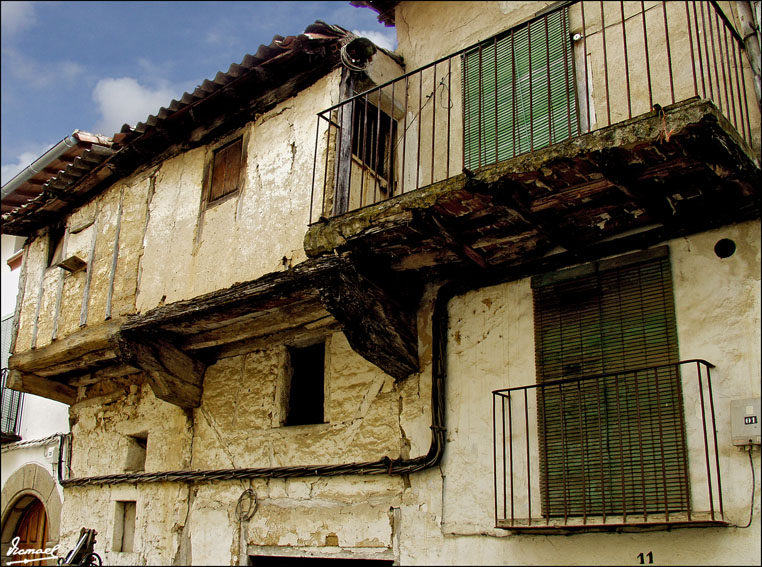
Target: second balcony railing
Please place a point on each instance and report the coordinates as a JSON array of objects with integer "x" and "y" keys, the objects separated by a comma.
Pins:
[{"x": 630, "y": 449}]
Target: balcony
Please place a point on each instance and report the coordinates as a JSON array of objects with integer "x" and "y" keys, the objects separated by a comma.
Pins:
[
  {"x": 623, "y": 451},
  {"x": 589, "y": 123},
  {"x": 12, "y": 402}
]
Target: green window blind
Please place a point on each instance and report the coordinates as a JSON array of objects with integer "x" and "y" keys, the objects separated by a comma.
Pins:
[
  {"x": 615, "y": 444},
  {"x": 519, "y": 92}
]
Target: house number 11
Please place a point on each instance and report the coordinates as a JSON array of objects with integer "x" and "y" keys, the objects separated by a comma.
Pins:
[{"x": 642, "y": 558}]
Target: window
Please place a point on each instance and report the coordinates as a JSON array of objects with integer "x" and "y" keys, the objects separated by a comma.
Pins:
[
  {"x": 615, "y": 444},
  {"x": 226, "y": 171},
  {"x": 373, "y": 135},
  {"x": 306, "y": 396},
  {"x": 56, "y": 244},
  {"x": 519, "y": 91},
  {"x": 124, "y": 526},
  {"x": 12, "y": 402},
  {"x": 135, "y": 460}
]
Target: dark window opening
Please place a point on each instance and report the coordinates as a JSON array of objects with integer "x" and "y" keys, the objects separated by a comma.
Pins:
[
  {"x": 226, "y": 170},
  {"x": 136, "y": 453},
  {"x": 55, "y": 245},
  {"x": 306, "y": 397},
  {"x": 373, "y": 135}
]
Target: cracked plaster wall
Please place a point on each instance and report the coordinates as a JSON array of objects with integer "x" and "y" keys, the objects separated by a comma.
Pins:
[
  {"x": 443, "y": 515},
  {"x": 92, "y": 234},
  {"x": 368, "y": 416},
  {"x": 244, "y": 237}
]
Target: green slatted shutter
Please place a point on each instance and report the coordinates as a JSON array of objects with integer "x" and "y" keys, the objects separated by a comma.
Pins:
[
  {"x": 614, "y": 445},
  {"x": 492, "y": 99}
]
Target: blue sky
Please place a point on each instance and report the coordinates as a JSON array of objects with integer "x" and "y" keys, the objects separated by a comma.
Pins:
[{"x": 93, "y": 66}]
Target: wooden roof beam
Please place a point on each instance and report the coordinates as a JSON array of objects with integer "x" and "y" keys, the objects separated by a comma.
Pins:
[{"x": 509, "y": 193}]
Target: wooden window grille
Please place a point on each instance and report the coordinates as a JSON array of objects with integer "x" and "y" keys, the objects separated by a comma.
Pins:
[{"x": 373, "y": 135}]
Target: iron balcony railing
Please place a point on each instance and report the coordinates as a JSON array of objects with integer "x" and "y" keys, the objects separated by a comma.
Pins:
[
  {"x": 12, "y": 402},
  {"x": 636, "y": 448},
  {"x": 572, "y": 70}
]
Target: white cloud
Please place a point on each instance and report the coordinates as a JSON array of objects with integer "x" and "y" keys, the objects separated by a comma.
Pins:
[
  {"x": 16, "y": 16},
  {"x": 9, "y": 170},
  {"x": 124, "y": 100},
  {"x": 40, "y": 74},
  {"x": 387, "y": 40}
]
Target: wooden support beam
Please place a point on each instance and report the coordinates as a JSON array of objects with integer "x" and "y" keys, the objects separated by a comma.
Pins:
[
  {"x": 616, "y": 166},
  {"x": 376, "y": 325},
  {"x": 84, "y": 344},
  {"x": 433, "y": 224},
  {"x": 174, "y": 376},
  {"x": 510, "y": 193},
  {"x": 39, "y": 386}
]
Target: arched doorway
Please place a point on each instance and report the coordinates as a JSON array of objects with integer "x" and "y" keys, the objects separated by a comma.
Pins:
[
  {"x": 32, "y": 531},
  {"x": 23, "y": 493}
]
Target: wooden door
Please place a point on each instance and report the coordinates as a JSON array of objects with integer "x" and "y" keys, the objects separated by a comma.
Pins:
[{"x": 32, "y": 532}]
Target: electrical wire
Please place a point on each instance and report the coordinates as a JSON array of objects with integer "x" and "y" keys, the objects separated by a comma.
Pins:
[
  {"x": 753, "y": 488},
  {"x": 346, "y": 60}
]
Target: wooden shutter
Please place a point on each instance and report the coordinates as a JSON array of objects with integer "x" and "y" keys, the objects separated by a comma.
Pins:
[
  {"x": 515, "y": 103},
  {"x": 613, "y": 445},
  {"x": 226, "y": 170}
]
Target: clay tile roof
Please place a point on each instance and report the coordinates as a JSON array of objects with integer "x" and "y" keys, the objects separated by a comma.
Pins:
[{"x": 274, "y": 73}]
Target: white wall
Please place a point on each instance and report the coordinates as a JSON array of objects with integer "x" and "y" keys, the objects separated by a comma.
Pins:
[
  {"x": 10, "y": 279},
  {"x": 40, "y": 417}
]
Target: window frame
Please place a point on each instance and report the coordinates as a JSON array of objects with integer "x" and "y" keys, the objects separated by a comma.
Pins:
[
  {"x": 376, "y": 123},
  {"x": 209, "y": 198}
]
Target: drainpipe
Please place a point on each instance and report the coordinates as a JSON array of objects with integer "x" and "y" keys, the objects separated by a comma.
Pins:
[
  {"x": 40, "y": 163},
  {"x": 750, "y": 32}
]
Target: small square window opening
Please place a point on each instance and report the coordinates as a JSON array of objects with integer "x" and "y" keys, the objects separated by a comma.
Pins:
[{"x": 135, "y": 460}]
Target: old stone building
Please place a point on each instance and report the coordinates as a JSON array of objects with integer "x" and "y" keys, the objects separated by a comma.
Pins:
[{"x": 504, "y": 287}]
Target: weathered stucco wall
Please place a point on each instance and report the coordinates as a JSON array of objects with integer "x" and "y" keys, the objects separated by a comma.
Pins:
[
  {"x": 238, "y": 423},
  {"x": 491, "y": 346},
  {"x": 166, "y": 249},
  {"x": 107, "y": 233},
  {"x": 368, "y": 416},
  {"x": 258, "y": 231},
  {"x": 443, "y": 515}
]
